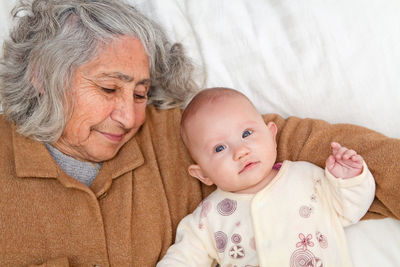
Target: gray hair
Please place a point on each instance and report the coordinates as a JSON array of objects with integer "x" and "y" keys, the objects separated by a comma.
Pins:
[{"x": 54, "y": 37}]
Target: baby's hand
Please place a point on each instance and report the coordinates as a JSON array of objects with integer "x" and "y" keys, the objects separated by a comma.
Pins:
[{"x": 344, "y": 162}]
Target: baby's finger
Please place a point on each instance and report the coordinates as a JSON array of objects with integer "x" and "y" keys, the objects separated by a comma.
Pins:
[
  {"x": 339, "y": 153},
  {"x": 335, "y": 146},
  {"x": 349, "y": 153},
  {"x": 357, "y": 158}
]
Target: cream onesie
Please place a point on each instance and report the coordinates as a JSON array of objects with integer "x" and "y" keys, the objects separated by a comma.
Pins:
[{"x": 296, "y": 220}]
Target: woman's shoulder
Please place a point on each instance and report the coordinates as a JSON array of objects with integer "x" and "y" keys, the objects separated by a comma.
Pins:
[
  {"x": 3, "y": 120},
  {"x": 6, "y": 140},
  {"x": 5, "y": 127},
  {"x": 155, "y": 115},
  {"x": 163, "y": 123}
]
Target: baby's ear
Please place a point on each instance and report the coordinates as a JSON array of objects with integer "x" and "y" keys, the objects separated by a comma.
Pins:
[
  {"x": 195, "y": 171},
  {"x": 272, "y": 127}
]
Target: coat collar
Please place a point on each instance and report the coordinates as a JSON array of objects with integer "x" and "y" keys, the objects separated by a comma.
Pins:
[
  {"x": 129, "y": 157},
  {"x": 32, "y": 159}
]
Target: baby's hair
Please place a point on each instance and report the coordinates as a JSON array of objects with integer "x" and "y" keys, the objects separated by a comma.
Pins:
[{"x": 206, "y": 96}]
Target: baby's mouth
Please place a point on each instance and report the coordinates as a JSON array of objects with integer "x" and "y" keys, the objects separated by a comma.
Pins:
[{"x": 248, "y": 166}]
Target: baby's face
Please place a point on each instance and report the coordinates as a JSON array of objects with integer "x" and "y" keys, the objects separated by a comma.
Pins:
[{"x": 232, "y": 144}]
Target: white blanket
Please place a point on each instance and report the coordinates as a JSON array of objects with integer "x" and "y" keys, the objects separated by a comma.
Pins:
[{"x": 336, "y": 60}]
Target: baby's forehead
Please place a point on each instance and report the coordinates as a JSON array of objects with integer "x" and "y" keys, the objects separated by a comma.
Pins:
[
  {"x": 224, "y": 99},
  {"x": 212, "y": 100}
]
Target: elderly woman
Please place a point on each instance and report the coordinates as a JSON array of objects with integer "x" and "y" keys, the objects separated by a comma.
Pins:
[{"x": 92, "y": 171}]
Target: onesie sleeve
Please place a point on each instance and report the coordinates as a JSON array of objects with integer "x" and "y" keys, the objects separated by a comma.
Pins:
[
  {"x": 309, "y": 139},
  {"x": 351, "y": 197},
  {"x": 193, "y": 245}
]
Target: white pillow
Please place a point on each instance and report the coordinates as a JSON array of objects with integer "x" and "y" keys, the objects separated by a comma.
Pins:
[{"x": 334, "y": 60}]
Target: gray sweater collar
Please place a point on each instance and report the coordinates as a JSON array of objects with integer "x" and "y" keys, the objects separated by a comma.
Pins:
[{"x": 83, "y": 171}]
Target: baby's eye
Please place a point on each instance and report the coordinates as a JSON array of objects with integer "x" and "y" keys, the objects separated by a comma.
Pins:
[
  {"x": 246, "y": 133},
  {"x": 219, "y": 148}
]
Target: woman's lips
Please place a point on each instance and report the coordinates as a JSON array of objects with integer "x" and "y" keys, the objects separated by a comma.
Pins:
[
  {"x": 113, "y": 137},
  {"x": 248, "y": 166}
]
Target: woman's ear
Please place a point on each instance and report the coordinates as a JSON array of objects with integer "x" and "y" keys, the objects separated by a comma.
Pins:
[{"x": 195, "y": 171}]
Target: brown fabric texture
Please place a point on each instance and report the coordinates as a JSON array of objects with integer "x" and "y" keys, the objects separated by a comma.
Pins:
[{"x": 129, "y": 215}]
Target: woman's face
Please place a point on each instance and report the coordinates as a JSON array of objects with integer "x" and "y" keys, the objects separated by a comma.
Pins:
[{"x": 110, "y": 99}]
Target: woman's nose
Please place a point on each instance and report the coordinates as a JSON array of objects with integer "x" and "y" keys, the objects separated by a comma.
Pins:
[{"x": 124, "y": 112}]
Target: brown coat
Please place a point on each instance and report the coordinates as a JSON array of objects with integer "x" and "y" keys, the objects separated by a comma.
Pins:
[{"x": 129, "y": 215}]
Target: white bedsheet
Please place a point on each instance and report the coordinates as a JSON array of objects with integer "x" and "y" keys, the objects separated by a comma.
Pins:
[{"x": 337, "y": 60}]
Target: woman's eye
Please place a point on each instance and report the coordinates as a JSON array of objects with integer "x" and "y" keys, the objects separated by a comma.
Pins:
[
  {"x": 108, "y": 90},
  {"x": 246, "y": 133},
  {"x": 219, "y": 148},
  {"x": 141, "y": 92},
  {"x": 140, "y": 96}
]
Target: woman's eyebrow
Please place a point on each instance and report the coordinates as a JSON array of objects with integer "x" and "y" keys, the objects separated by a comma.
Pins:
[
  {"x": 144, "y": 81},
  {"x": 118, "y": 75}
]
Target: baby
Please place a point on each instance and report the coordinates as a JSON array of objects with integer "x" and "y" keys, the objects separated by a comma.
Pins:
[{"x": 263, "y": 213}]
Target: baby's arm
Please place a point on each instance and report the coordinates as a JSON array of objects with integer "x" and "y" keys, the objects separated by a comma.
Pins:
[
  {"x": 300, "y": 139},
  {"x": 193, "y": 246},
  {"x": 344, "y": 163},
  {"x": 351, "y": 185}
]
